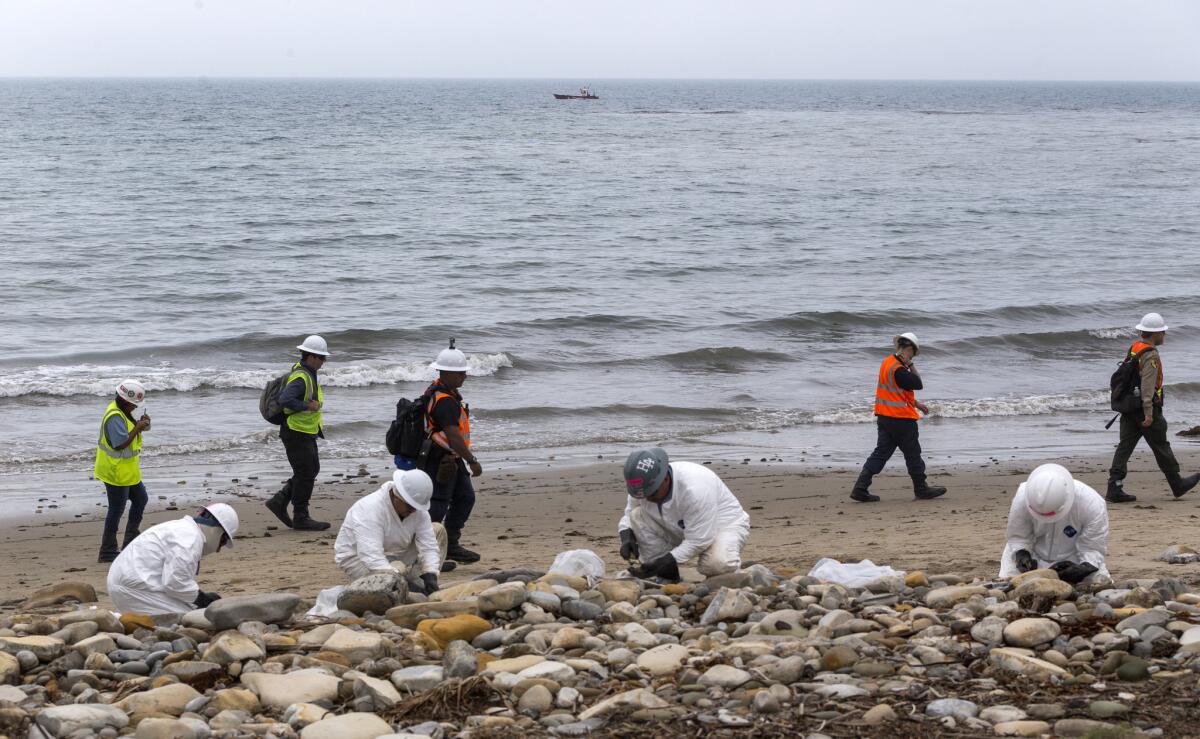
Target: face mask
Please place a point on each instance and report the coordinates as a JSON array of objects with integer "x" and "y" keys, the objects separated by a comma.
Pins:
[{"x": 212, "y": 538}]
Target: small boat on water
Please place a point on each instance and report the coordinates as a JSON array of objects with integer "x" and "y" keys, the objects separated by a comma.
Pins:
[{"x": 585, "y": 93}]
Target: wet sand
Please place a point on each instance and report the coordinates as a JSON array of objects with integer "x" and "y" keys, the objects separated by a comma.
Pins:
[{"x": 523, "y": 518}]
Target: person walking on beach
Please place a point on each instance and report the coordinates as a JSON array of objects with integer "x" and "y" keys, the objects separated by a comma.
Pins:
[
  {"x": 393, "y": 520},
  {"x": 156, "y": 575},
  {"x": 118, "y": 465},
  {"x": 1147, "y": 422},
  {"x": 451, "y": 463},
  {"x": 1059, "y": 523},
  {"x": 302, "y": 399},
  {"x": 896, "y": 415},
  {"x": 677, "y": 511}
]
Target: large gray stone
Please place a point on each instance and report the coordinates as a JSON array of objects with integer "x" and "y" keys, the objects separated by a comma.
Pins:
[
  {"x": 504, "y": 597},
  {"x": 269, "y": 608},
  {"x": 1031, "y": 632},
  {"x": 375, "y": 593},
  {"x": 61, "y": 721},
  {"x": 460, "y": 660},
  {"x": 727, "y": 605},
  {"x": 1140, "y": 621},
  {"x": 301, "y": 686},
  {"x": 954, "y": 707},
  {"x": 348, "y": 726},
  {"x": 418, "y": 678}
]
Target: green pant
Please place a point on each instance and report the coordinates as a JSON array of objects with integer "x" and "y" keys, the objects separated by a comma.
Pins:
[{"x": 1155, "y": 436}]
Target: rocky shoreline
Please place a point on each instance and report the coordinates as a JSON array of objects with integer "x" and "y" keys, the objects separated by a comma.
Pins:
[{"x": 754, "y": 652}]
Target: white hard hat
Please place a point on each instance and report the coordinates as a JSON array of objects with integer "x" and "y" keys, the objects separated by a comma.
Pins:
[
  {"x": 225, "y": 516},
  {"x": 132, "y": 392},
  {"x": 908, "y": 336},
  {"x": 414, "y": 486},
  {"x": 451, "y": 360},
  {"x": 315, "y": 345},
  {"x": 1152, "y": 323},
  {"x": 1049, "y": 492}
]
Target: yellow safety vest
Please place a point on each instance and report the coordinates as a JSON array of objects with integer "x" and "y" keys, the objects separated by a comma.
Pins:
[
  {"x": 306, "y": 422},
  {"x": 119, "y": 468}
]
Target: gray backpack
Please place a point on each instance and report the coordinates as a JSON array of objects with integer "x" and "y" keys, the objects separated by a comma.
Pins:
[{"x": 268, "y": 402}]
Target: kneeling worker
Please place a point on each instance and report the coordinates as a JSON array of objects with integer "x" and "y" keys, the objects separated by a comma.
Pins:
[
  {"x": 677, "y": 511},
  {"x": 394, "y": 518},
  {"x": 156, "y": 573},
  {"x": 1056, "y": 522}
]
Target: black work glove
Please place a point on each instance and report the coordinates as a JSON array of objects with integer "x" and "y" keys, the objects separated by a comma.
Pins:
[
  {"x": 1060, "y": 567},
  {"x": 665, "y": 567},
  {"x": 1025, "y": 561},
  {"x": 1076, "y": 573},
  {"x": 431, "y": 583},
  {"x": 204, "y": 599},
  {"x": 629, "y": 545}
]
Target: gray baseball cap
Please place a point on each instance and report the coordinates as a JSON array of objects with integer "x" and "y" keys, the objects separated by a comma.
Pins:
[{"x": 645, "y": 470}]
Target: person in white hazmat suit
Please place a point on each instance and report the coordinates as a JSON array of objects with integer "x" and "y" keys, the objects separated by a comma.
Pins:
[
  {"x": 1057, "y": 522},
  {"x": 155, "y": 574},
  {"x": 394, "y": 519},
  {"x": 677, "y": 511}
]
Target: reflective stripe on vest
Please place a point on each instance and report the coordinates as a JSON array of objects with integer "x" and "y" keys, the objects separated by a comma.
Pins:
[
  {"x": 890, "y": 400},
  {"x": 117, "y": 467},
  {"x": 306, "y": 422},
  {"x": 464, "y": 422},
  {"x": 1139, "y": 347}
]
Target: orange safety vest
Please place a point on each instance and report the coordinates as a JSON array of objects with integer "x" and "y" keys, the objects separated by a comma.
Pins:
[
  {"x": 464, "y": 422},
  {"x": 890, "y": 400},
  {"x": 1139, "y": 347}
]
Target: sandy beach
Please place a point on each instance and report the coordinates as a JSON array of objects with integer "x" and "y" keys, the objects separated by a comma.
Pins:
[{"x": 524, "y": 517}]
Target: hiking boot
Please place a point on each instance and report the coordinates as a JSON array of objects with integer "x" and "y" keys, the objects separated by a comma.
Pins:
[
  {"x": 1180, "y": 485},
  {"x": 456, "y": 551},
  {"x": 1116, "y": 493},
  {"x": 449, "y": 566},
  {"x": 861, "y": 489},
  {"x": 303, "y": 522},
  {"x": 108, "y": 547},
  {"x": 278, "y": 504},
  {"x": 924, "y": 491}
]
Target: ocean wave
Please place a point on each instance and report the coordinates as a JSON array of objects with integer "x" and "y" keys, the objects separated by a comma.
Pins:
[{"x": 88, "y": 379}]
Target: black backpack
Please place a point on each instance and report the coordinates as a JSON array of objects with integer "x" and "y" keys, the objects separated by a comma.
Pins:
[
  {"x": 1126, "y": 385},
  {"x": 268, "y": 402},
  {"x": 406, "y": 435}
]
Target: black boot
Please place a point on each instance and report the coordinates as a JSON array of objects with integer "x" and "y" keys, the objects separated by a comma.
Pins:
[
  {"x": 278, "y": 504},
  {"x": 449, "y": 566},
  {"x": 861, "y": 491},
  {"x": 925, "y": 491},
  {"x": 131, "y": 533},
  {"x": 304, "y": 522},
  {"x": 456, "y": 551},
  {"x": 1180, "y": 485},
  {"x": 108, "y": 547},
  {"x": 1116, "y": 492}
]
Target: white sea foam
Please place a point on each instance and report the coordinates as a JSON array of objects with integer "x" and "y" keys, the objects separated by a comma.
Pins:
[
  {"x": 1113, "y": 333},
  {"x": 1029, "y": 405},
  {"x": 90, "y": 379}
]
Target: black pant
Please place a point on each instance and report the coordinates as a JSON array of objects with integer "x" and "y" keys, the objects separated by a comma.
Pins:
[
  {"x": 452, "y": 501},
  {"x": 1156, "y": 438},
  {"x": 302, "y": 456},
  {"x": 893, "y": 433}
]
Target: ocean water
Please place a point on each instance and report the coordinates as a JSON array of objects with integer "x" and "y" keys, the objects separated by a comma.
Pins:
[{"x": 717, "y": 266}]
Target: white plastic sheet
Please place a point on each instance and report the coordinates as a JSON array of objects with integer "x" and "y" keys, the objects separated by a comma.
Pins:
[
  {"x": 579, "y": 563},
  {"x": 326, "y": 601},
  {"x": 852, "y": 574}
]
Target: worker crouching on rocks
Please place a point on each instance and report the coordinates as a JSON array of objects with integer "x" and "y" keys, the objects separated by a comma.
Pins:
[
  {"x": 677, "y": 511},
  {"x": 1059, "y": 523},
  {"x": 118, "y": 465},
  {"x": 156, "y": 574},
  {"x": 393, "y": 519}
]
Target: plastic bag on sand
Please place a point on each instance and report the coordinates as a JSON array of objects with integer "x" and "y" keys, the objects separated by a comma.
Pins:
[
  {"x": 852, "y": 574},
  {"x": 579, "y": 563},
  {"x": 326, "y": 601}
]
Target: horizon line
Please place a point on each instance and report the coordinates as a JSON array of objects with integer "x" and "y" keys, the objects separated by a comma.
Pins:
[{"x": 385, "y": 78}]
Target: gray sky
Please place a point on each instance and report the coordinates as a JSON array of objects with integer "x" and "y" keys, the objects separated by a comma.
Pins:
[{"x": 803, "y": 39}]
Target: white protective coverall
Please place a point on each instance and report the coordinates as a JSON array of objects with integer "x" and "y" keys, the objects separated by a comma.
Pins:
[
  {"x": 372, "y": 530},
  {"x": 700, "y": 518},
  {"x": 1079, "y": 536},
  {"x": 156, "y": 573}
]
